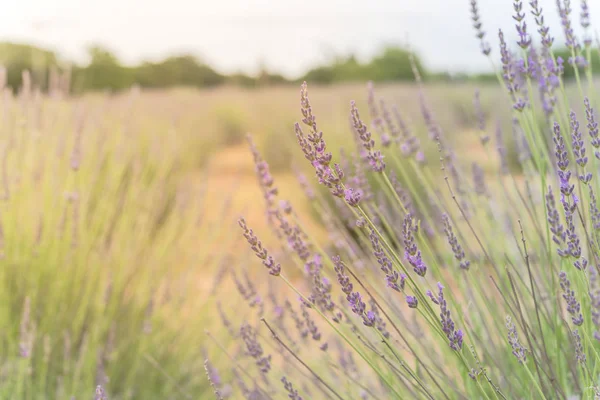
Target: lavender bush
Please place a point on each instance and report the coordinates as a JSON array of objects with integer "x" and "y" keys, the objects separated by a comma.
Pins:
[{"x": 441, "y": 280}]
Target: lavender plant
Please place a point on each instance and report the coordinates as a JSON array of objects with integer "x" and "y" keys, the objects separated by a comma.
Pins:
[{"x": 453, "y": 282}]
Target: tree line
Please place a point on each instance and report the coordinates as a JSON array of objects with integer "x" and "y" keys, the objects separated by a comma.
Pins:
[{"x": 104, "y": 71}]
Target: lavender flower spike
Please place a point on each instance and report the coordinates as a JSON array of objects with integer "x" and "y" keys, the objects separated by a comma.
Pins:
[
  {"x": 524, "y": 39},
  {"x": 374, "y": 157},
  {"x": 579, "y": 354},
  {"x": 412, "y": 301},
  {"x": 480, "y": 34},
  {"x": 565, "y": 19},
  {"x": 411, "y": 251},
  {"x": 562, "y": 157},
  {"x": 394, "y": 280},
  {"x": 459, "y": 253},
  {"x": 592, "y": 126},
  {"x": 354, "y": 298},
  {"x": 259, "y": 250},
  {"x": 254, "y": 348},
  {"x": 579, "y": 148},
  {"x": 292, "y": 393},
  {"x": 543, "y": 29},
  {"x": 556, "y": 227},
  {"x": 454, "y": 336},
  {"x": 519, "y": 351},
  {"x": 573, "y": 306}
]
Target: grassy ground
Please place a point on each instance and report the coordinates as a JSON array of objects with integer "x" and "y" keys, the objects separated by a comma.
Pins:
[{"x": 119, "y": 213}]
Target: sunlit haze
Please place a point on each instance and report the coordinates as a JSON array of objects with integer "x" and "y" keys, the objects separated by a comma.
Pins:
[{"x": 288, "y": 36}]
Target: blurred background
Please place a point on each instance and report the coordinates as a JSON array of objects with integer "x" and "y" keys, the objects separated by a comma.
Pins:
[{"x": 132, "y": 117}]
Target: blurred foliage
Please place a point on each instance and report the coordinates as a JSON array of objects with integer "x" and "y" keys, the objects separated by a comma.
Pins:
[
  {"x": 104, "y": 71},
  {"x": 393, "y": 64}
]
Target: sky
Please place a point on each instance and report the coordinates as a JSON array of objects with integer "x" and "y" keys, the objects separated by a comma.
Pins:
[{"x": 286, "y": 36}]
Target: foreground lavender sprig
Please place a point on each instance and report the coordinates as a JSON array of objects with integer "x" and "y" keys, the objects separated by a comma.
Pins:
[
  {"x": 392, "y": 278},
  {"x": 315, "y": 150},
  {"x": 455, "y": 337},
  {"x": 553, "y": 217},
  {"x": 579, "y": 353},
  {"x": 573, "y": 306},
  {"x": 459, "y": 253},
  {"x": 254, "y": 348},
  {"x": 518, "y": 350},
  {"x": 211, "y": 381},
  {"x": 292, "y": 393},
  {"x": 543, "y": 29},
  {"x": 259, "y": 250},
  {"x": 480, "y": 33},
  {"x": 579, "y": 148},
  {"x": 354, "y": 298},
  {"x": 374, "y": 157},
  {"x": 524, "y": 39},
  {"x": 592, "y": 126},
  {"x": 565, "y": 19},
  {"x": 562, "y": 163},
  {"x": 411, "y": 251}
]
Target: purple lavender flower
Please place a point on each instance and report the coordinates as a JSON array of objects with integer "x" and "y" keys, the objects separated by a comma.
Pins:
[
  {"x": 518, "y": 350},
  {"x": 409, "y": 143},
  {"x": 565, "y": 19},
  {"x": 376, "y": 120},
  {"x": 480, "y": 34},
  {"x": 592, "y": 126},
  {"x": 314, "y": 148},
  {"x": 389, "y": 123},
  {"x": 524, "y": 39},
  {"x": 294, "y": 236},
  {"x": 585, "y": 14},
  {"x": 100, "y": 393},
  {"x": 579, "y": 148},
  {"x": 321, "y": 287},
  {"x": 579, "y": 353},
  {"x": 562, "y": 157},
  {"x": 259, "y": 250},
  {"x": 459, "y": 254},
  {"x": 543, "y": 29},
  {"x": 352, "y": 196},
  {"x": 254, "y": 348},
  {"x": 594, "y": 211},
  {"x": 374, "y": 157},
  {"x": 292, "y": 393},
  {"x": 310, "y": 324},
  {"x": 394, "y": 280},
  {"x": 354, "y": 298},
  {"x": 298, "y": 321},
  {"x": 454, "y": 336},
  {"x": 572, "y": 238},
  {"x": 379, "y": 322},
  {"x": 412, "y": 301},
  {"x": 557, "y": 229},
  {"x": 265, "y": 178},
  {"x": 411, "y": 251},
  {"x": 213, "y": 378},
  {"x": 573, "y": 306}
]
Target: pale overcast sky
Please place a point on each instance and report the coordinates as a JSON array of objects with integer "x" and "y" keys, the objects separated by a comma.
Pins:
[{"x": 287, "y": 35}]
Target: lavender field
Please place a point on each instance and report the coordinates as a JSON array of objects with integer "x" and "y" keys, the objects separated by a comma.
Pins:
[{"x": 423, "y": 240}]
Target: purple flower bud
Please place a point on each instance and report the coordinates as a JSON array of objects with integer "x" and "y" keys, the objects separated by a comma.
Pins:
[
  {"x": 412, "y": 301},
  {"x": 519, "y": 351},
  {"x": 573, "y": 306},
  {"x": 352, "y": 196}
]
